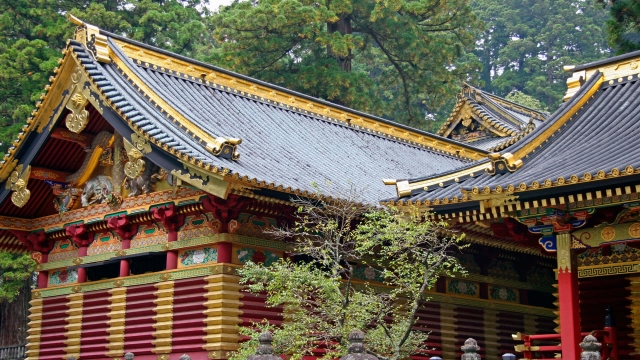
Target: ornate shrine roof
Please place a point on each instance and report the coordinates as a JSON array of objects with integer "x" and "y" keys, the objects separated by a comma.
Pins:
[
  {"x": 217, "y": 130},
  {"x": 591, "y": 141},
  {"x": 489, "y": 122}
]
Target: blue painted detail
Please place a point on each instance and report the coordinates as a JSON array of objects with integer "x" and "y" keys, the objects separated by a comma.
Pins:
[{"x": 548, "y": 243}]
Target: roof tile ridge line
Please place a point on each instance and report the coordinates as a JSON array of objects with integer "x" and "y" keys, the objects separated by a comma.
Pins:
[
  {"x": 124, "y": 65},
  {"x": 512, "y": 140},
  {"x": 182, "y": 157},
  {"x": 406, "y": 187},
  {"x": 298, "y": 110},
  {"x": 423, "y": 133},
  {"x": 555, "y": 121},
  {"x": 509, "y": 117},
  {"x": 492, "y": 119},
  {"x": 605, "y": 61},
  {"x": 501, "y": 99},
  {"x": 456, "y": 109}
]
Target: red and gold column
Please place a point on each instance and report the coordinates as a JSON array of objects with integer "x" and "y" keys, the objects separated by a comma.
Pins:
[
  {"x": 163, "y": 326},
  {"x": 35, "y": 328},
  {"x": 223, "y": 312},
  {"x": 568, "y": 298},
  {"x": 116, "y": 315},
  {"x": 74, "y": 324}
]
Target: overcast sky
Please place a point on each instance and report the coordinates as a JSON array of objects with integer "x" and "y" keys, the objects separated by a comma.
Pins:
[{"x": 215, "y": 4}]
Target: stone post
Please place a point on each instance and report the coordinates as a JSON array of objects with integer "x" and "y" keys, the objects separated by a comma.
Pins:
[
  {"x": 470, "y": 350},
  {"x": 265, "y": 350},
  {"x": 357, "y": 351},
  {"x": 508, "y": 356},
  {"x": 590, "y": 348}
]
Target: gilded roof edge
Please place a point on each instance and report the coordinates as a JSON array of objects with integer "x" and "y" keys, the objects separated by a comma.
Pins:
[{"x": 246, "y": 85}]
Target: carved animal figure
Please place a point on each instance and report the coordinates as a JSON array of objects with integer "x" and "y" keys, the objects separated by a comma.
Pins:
[
  {"x": 97, "y": 190},
  {"x": 142, "y": 184}
]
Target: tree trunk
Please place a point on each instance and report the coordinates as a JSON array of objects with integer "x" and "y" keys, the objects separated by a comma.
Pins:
[
  {"x": 343, "y": 26},
  {"x": 13, "y": 317}
]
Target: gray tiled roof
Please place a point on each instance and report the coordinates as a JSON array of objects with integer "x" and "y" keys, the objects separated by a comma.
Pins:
[
  {"x": 602, "y": 135},
  {"x": 279, "y": 146}
]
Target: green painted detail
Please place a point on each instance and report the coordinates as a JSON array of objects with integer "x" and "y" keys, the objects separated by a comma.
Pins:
[
  {"x": 73, "y": 223},
  {"x": 187, "y": 202},
  {"x": 64, "y": 246},
  {"x": 152, "y": 248},
  {"x": 57, "y": 264},
  {"x": 105, "y": 238},
  {"x": 191, "y": 273},
  {"x": 503, "y": 293},
  {"x": 270, "y": 244},
  {"x": 93, "y": 220},
  {"x": 201, "y": 240},
  {"x": 45, "y": 293},
  {"x": 198, "y": 222},
  {"x": 98, "y": 257},
  {"x": 98, "y": 286},
  {"x": 115, "y": 215},
  {"x": 461, "y": 287},
  {"x": 149, "y": 231},
  {"x": 161, "y": 205}
]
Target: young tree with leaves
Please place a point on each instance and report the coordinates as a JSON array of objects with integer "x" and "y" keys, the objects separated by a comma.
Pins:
[
  {"x": 16, "y": 277},
  {"x": 399, "y": 59},
  {"x": 401, "y": 256}
]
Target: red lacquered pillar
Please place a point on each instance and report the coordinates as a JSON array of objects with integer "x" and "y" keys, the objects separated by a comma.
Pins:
[
  {"x": 172, "y": 255},
  {"x": 224, "y": 252},
  {"x": 124, "y": 263},
  {"x": 43, "y": 276},
  {"x": 568, "y": 298},
  {"x": 82, "y": 272}
]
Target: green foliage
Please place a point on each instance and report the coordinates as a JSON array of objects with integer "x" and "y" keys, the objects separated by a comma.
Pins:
[
  {"x": 32, "y": 36},
  {"x": 322, "y": 299},
  {"x": 14, "y": 270},
  {"x": 526, "y": 43},
  {"x": 523, "y": 99},
  {"x": 399, "y": 59},
  {"x": 623, "y": 27}
]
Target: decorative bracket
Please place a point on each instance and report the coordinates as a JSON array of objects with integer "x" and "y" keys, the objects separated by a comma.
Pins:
[
  {"x": 503, "y": 163},
  {"x": 90, "y": 36},
  {"x": 225, "y": 148},
  {"x": 18, "y": 183}
]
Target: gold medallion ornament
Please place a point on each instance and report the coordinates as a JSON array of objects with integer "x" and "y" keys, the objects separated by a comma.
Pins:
[
  {"x": 135, "y": 151},
  {"x": 608, "y": 233},
  {"x": 18, "y": 183},
  {"x": 634, "y": 230},
  {"x": 78, "y": 119}
]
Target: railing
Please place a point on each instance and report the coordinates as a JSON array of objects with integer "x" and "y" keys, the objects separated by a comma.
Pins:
[
  {"x": 607, "y": 337},
  {"x": 12, "y": 352}
]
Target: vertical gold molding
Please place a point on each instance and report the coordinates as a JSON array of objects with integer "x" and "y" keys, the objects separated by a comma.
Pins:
[
  {"x": 163, "y": 319},
  {"x": 74, "y": 324},
  {"x": 35, "y": 328},
  {"x": 566, "y": 262},
  {"x": 634, "y": 312},
  {"x": 116, "y": 321},
  {"x": 222, "y": 314},
  {"x": 448, "y": 331},
  {"x": 491, "y": 337}
]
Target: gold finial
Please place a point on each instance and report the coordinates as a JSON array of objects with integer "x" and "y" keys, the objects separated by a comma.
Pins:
[{"x": 75, "y": 20}]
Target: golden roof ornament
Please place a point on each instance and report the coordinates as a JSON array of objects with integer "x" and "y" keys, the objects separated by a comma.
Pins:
[{"x": 18, "y": 183}]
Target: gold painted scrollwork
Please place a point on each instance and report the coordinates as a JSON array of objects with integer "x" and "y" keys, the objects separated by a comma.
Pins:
[
  {"x": 18, "y": 183},
  {"x": 78, "y": 119}
]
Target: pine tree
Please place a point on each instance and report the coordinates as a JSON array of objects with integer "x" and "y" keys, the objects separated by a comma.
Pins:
[
  {"x": 31, "y": 38},
  {"x": 623, "y": 27},
  {"x": 526, "y": 43}
]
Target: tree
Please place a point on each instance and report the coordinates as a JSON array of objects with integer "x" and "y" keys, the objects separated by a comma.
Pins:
[
  {"x": 16, "y": 277},
  {"x": 523, "y": 99},
  {"x": 526, "y": 43},
  {"x": 623, "y": 26},
  {"x": 324, "y": 298},
  {"x": 31, "y": 38},
  {"x": 399, "y": 59}
]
